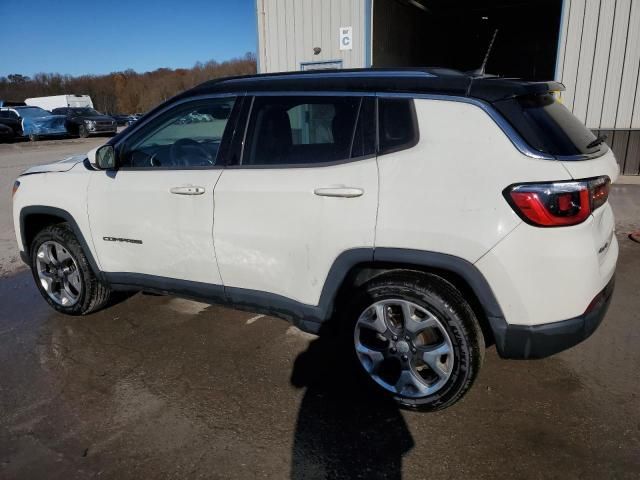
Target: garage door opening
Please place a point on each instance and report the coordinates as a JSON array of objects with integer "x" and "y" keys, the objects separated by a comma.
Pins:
[{"x": 456, "y": 34}]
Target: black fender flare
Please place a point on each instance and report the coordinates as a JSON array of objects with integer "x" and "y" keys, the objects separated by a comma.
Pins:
[
  {"x": 25, "y": 212},
  {"x": 407, "y": 258}
]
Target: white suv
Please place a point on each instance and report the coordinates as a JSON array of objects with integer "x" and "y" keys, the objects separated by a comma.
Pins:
[{"x": 427, "y": 212}]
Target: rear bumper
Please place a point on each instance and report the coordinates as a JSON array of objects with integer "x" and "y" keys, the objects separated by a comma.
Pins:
[{"x": 539, "y": 341}]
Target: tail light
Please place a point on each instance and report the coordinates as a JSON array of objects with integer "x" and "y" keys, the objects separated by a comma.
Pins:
[{"x": 557, "y": 204}]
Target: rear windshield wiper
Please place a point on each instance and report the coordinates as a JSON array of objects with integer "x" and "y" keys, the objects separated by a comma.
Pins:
[{"x": 597, "y": 141}]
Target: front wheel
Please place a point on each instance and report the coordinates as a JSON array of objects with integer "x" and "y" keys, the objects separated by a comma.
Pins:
[
  {"x": 416, "y": 338},
  {"x": 10, "y": 137},
  {"x": 82, "y": 131},
  {"x": 63, "y": 274}
]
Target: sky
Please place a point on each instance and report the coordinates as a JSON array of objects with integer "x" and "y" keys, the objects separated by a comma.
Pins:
[{"x": 100, "y": 36}]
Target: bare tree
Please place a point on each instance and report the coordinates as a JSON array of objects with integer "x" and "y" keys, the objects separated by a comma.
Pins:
[{"x": 127, "y": 91}]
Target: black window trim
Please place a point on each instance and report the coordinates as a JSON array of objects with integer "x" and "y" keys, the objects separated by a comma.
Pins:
[
  {"x": 140, "y": 125},
  {"x": 247, "y": 117}
]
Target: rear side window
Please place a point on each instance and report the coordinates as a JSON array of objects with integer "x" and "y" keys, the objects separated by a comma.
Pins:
[
  {"x": 398, "y": 125},
  {"x": 547, "y": 125},
  {"x": 298, "y": 130}
]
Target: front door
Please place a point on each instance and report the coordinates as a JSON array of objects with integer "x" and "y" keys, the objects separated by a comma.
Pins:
[
  {"x": 153, "y": 216},
  {"x": 304, "y": 191}
]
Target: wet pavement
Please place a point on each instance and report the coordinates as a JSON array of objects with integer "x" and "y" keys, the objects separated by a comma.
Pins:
[{"x": 160, "y": 387}]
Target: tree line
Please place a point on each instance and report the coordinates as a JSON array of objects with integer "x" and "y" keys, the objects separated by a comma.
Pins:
[{"x": 126, "y": 91}]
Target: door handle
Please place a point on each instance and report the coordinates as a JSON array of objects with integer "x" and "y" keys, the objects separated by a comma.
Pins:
[
  {"x": 344, "y": 192},
  {"x": 187, "y": 190}
]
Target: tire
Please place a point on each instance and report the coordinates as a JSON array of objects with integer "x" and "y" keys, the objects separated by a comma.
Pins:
[
  {"x": 10, "y": 138},
  {"x": 33, "y": 137},
  {"x": 82, "y": 131},
  {"x": 89, "y": 292},
  {"x": 453, "y": 343}
]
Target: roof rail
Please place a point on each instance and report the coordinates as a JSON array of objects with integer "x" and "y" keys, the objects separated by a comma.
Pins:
[{"x": 333, "y": 73}]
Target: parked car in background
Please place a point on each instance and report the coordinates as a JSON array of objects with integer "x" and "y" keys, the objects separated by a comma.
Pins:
[
  {"x": 6, "y": 133},
  {"x": 125, "y": 120},
  {"x": 59, "y": 101},
  {"x": 87, "y": 121},
  {"x": 11, "y": 103},
  {"x": 33, "y": 122},
  {"x": 11, "y": 119}
]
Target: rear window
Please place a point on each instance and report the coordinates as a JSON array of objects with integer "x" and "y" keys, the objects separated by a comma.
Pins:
[{"x": 547, "y": 125}]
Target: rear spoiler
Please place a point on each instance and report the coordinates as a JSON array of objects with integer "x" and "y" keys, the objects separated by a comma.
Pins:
[{"x": 493, "y": 89}]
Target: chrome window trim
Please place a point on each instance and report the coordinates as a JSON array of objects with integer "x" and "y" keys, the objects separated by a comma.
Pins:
[{"x": 514, "y": 137}]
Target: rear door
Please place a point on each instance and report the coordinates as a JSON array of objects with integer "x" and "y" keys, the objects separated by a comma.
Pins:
[
  {"x": 303, "y": 190},
  {"x": 153, "y": 216}
]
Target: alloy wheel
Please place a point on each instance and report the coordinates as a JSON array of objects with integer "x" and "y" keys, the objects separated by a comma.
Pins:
[
  {"x": 58, "y": 273},
  {"x": 404, "y": 348}
]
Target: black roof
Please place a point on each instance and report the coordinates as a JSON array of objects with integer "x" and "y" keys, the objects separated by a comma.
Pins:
[{"x": 408, "y": 80}]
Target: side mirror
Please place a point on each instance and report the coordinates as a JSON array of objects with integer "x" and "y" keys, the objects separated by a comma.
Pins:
[{"x": 103, "y": 157}]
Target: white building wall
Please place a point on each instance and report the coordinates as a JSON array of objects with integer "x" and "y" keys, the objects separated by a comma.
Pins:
[
  {"x": 599, "y": 60},
  {"x": 289, "y": 30}
]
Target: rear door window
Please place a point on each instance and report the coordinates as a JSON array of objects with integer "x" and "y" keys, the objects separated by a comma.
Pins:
[
  {"x": 365, "y": 137},
  {"x": 547, "y": 126},
  {"x": 299, "y": 130}
]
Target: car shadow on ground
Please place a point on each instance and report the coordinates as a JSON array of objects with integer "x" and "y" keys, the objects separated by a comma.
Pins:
[{"x": 345, "y": 428}]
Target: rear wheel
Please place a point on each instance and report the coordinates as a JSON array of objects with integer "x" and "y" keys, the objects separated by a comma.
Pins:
[
  {"x": 63, "y": 274},
  {"x": 416, "y": 338}
]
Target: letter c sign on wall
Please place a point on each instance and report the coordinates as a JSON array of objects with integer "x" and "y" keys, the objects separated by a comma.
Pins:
[{"x": 346, "y": 37}]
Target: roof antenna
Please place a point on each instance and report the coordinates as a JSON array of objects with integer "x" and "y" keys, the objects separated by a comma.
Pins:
[{"x": 480, "y": 71}]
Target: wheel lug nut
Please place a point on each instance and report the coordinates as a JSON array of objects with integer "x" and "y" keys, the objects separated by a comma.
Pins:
[
  {"x": 393, "y": 350},
  {"x": 407, "y": 338},
  {"x": 405, "y": 358},
  {"x": 413, "y": 350},
  {"x": 395, "y": 338}
]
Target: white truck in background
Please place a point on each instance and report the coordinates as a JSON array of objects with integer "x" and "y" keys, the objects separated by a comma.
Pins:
[{"x": 60, "y": 101}]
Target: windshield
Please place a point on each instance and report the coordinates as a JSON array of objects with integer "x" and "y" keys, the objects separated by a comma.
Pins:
[
  {"x": 85, "y": 112},
  {"x": 548, "y": 126},
  {"x": 32, "y": 112}
]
